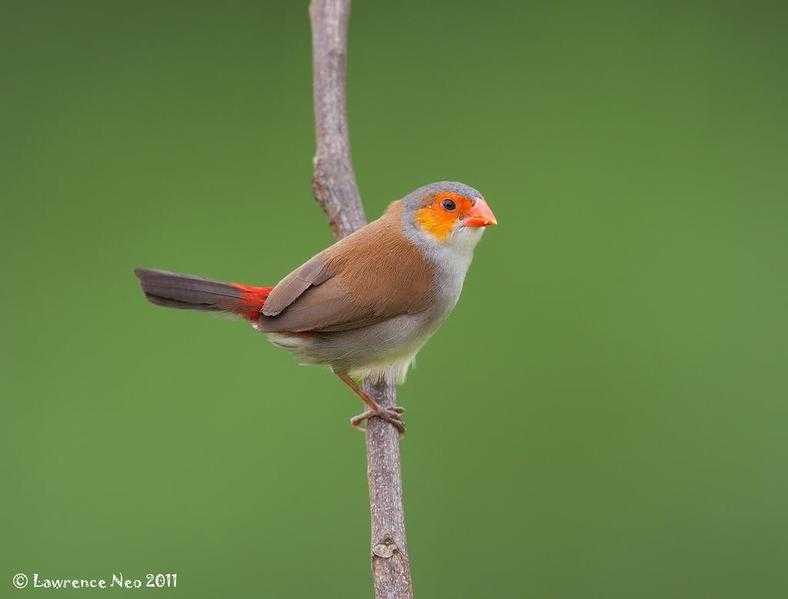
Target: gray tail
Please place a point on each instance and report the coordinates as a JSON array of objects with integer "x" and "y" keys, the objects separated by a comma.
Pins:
[{"x": 174, "y": 290}]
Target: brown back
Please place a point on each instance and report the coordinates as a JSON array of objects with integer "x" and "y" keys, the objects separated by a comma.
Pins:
[{"x": 370, "y": 276}]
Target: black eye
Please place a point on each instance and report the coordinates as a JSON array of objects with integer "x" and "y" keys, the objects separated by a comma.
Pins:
[{"x": 449, "y": 204}]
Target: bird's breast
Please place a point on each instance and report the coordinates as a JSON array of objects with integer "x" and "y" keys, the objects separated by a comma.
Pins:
[{"x": 449, "y": 278}]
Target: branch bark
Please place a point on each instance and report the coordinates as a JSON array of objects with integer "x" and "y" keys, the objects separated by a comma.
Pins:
[{"x": 334, "y": 187}]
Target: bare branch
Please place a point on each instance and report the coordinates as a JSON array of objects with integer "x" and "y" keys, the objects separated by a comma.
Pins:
[
  {"x": 390, "y": 561},
  {"x": 335, "y": 189},
  {"x": 334, "y": 181}
]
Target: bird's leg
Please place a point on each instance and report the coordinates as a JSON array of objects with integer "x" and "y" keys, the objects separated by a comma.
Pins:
[{"x": 392, "y": 415}]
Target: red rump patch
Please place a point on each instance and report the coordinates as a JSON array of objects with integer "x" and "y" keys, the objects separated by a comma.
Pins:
[{"x": 251, "y": 301}]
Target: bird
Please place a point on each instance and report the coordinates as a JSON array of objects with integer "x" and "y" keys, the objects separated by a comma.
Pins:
[{"x": 365, "y": 305}]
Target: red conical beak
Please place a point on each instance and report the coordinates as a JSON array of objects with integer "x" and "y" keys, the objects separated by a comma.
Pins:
[{"x": 480, "y": 215}]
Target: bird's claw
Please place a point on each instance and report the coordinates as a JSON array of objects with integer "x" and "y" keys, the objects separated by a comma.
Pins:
[{"x": 392, "y": 415}]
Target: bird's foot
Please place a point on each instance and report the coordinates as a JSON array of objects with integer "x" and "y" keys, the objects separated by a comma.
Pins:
[{"x": 392, "y": 415}]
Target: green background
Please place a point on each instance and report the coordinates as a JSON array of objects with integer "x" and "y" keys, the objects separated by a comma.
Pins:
[{"x": 605, "y": 413}]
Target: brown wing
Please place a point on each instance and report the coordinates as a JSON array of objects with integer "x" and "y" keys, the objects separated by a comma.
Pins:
[
  {"x": 370, "y": 276},
  {"x": 289, "y": 289}
]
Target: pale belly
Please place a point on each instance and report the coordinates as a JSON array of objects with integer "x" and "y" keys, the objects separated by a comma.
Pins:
[{"x": 386, "y": 349}]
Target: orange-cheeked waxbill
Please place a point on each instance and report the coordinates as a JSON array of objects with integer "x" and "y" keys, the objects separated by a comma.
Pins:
[{"x": 367, "y": 304}]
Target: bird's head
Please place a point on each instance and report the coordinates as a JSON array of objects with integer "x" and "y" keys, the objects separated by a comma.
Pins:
[{"x": 447, "y": 214}]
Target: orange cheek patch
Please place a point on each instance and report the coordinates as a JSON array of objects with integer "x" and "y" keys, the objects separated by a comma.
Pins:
[{"x": 436, "y": 222}]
